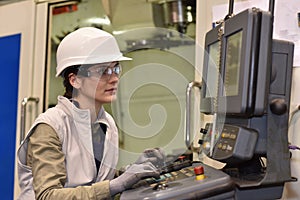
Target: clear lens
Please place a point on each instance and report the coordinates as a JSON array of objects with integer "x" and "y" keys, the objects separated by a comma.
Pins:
[{"x": 106, "y": 71}]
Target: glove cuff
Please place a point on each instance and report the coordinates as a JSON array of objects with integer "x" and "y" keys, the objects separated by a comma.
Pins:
[{"x": 115, "y": 187}]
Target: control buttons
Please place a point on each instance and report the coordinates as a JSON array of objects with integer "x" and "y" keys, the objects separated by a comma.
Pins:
[
  {"x": 200, "y": 141},
  {"x": 199, "y": 172},
  {"x": 220, "y": 146},
  {"x": 174, "y": 173},
  {"x": 229, "y": 148},
  {"x": 181, "y": 158},
  {"x": 225, "y": 147},
  {"x": 168, "y": 175},
  {"x": 232, "y": 136},
  {"x": 227, "y": 142},
  {"x": 226, "y": 135},
  {"x": 160, "y": 186},
  {"x": 204, "y": 131}
]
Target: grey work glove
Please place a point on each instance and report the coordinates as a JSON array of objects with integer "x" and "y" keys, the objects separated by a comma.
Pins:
[
  {"x": 156, "y": 156},
  {"x": 132, "y": 175}
]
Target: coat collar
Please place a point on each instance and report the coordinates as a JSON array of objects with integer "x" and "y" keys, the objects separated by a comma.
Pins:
[{"x": 80, "y": 115}]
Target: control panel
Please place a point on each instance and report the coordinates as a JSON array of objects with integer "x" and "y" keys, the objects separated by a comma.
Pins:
[
  {"x": 234, "y": 143},
  {"x": 197, "y": 181}
]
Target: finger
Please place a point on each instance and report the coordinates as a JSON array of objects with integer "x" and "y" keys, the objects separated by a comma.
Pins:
[
  {"x": 154, "y": 174},
  {"x": 150, "y": 170},
  {"x": 156, "y": 152}
]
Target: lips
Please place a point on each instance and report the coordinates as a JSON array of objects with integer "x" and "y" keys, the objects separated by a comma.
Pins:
[{"x": 111, "y": 90}]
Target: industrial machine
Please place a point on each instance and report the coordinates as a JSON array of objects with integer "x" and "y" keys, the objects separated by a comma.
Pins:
[
  {"x": 246, "y": 86},
  {"x": 252, "y": 90}
]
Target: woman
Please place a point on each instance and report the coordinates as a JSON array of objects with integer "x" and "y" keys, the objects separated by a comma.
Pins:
[{"x": 71, "y": 151}]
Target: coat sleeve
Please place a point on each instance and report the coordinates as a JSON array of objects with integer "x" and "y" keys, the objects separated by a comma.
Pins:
[{"x": 47, "y": 161}]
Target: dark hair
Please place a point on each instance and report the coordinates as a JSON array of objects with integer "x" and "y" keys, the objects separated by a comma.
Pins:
[{"x": 70, "y": 91}]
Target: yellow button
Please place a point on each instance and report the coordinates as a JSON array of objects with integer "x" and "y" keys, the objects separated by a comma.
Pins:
[{"x": 200, "y": 177}]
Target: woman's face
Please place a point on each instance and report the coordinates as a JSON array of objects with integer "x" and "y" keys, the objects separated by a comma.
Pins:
[{"x": 99, "y": 84}]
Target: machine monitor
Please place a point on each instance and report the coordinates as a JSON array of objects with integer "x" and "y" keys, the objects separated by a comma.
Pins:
[{"x": 239, "y": 55}]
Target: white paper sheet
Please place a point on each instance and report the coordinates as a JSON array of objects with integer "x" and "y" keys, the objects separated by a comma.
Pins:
[{"x": 285, "y": 19}]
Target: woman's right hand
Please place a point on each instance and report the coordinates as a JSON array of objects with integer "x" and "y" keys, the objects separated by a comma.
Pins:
[{"x": 132, "y": 175}]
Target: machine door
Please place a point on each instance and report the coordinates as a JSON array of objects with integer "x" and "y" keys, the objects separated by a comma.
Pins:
[{"x": 17, "y": 49}]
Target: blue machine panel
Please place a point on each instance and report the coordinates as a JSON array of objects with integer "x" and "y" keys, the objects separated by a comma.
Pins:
[{"x": 9, "y": 62}]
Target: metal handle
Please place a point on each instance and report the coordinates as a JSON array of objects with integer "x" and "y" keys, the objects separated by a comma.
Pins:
[
  {"x": 23, "y": 114},
  {"x": 188, "y": 110}
]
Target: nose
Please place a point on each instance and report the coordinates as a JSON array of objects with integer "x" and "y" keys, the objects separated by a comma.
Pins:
[{"x": 113, "y": 78}]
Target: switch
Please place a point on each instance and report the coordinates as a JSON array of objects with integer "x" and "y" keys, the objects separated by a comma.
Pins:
[
  {"x": 204, "y": 131},
  {"x": 181, "y": 158},
  {"x": 200, "y": 141},
  {"x": 199, "y": 173}
]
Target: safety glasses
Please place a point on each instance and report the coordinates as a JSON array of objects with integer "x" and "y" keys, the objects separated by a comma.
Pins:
[{"x": 103, "y": 71}]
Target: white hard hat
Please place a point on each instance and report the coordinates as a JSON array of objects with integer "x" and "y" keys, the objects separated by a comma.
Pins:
[{"x": 87, "y": 45}]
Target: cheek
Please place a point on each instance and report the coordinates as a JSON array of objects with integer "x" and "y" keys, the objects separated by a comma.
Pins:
[
  {"x": 91, "y": 88},
  {"x": 100, "y": 87},
  {"x": 99, "y": 91}
]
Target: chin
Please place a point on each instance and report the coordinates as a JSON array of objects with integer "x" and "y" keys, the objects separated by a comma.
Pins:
[{"x": 110, "y": 99}]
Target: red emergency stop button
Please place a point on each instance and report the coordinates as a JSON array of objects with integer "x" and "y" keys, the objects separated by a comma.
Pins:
[{"x": 199, "y": 172}]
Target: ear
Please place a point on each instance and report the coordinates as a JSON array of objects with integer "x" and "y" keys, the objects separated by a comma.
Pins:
[{"x": 75, "y": 81}]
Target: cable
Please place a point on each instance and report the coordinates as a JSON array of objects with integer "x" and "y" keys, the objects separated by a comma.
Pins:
[{"x": 294, "y": 147}]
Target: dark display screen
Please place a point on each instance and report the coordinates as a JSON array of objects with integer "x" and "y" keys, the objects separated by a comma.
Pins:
[
  {"x": 233, "y": 64},
  {"x": 212, "y": 71}
]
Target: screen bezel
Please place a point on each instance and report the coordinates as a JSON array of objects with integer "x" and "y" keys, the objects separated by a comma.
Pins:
[
  {"x": 244, "y": 103},
  {"x": 206, "y": 105}
]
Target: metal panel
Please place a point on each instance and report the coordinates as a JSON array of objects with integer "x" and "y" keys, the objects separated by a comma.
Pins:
[{"x": 9, "y": 59}]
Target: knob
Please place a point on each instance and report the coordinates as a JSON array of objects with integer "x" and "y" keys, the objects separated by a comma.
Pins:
[
  {"x": 278, "y": 106},
  {"x": 199, "y": 172}
]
